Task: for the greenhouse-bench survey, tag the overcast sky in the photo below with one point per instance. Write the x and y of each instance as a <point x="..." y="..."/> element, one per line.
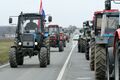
<point x="64" y="12"/>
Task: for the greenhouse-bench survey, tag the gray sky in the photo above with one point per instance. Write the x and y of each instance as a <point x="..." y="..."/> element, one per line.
<point x="64" y="12"/>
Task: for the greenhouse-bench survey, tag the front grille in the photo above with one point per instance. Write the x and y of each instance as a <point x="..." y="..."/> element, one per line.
<point x="28" y="37"/>
<point x="28" y="40"/>
<point x="29" y="44"/>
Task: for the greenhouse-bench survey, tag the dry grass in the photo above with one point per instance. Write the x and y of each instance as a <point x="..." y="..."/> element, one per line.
<point x="4" y="49"/>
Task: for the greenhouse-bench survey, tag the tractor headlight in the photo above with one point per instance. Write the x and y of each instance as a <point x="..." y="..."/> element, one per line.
<point x="36" y="43"/>
<point x="19" y="43"/>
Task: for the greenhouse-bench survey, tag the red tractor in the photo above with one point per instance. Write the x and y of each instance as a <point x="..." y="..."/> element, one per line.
<point x="67" y="35"/>
<point x="56" y="38"/>
<point x="103" y="62"/>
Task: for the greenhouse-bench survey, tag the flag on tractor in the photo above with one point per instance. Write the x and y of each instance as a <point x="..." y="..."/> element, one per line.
<point x="41" y="11"/>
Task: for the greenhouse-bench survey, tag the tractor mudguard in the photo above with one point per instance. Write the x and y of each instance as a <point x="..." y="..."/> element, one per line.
<point x="117" y="36"/>
<point x="101" y="40"/>
<point x="13" y="46"/>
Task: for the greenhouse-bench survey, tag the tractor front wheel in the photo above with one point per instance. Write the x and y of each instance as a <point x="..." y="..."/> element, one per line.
<point x="19" y="58"/>
<point x="43" y="57"/>
<point x="100" y="62"/>
<point x="12" y="58"/>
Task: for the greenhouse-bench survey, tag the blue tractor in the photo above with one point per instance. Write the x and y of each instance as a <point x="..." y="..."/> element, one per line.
<point x="30" y="40"/>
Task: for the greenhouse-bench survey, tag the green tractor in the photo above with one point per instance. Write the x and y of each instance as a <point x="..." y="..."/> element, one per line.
<point x="85" y="38"/>
<point x="30" y="40"/>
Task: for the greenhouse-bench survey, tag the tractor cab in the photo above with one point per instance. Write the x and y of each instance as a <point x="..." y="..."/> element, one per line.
<point x="53" y="29"/>
<point x="106" y="24"/>
<point x="87" y="28"/>
<point x="28" y="31"/>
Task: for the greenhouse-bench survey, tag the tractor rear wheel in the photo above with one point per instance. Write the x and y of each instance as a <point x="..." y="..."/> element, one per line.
<point x="92" y="50"/>
<point x="12" y="58"/>
<point x="61" y="47"/>
<point x="64" y="43"/>
<point x="100" y="62"/>
<point x="79" y="45"/>
<point x="48" y="55"/>
<point x="83" y="46"/>
<point x="87" y="51"/>
<point x="43" y="57"/>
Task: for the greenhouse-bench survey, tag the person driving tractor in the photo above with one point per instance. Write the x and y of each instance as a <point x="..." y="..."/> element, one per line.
<point x="31" y="25"/>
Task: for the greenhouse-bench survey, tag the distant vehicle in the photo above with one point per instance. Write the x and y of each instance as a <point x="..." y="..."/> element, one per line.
<point x="56" y="38"/>
<point x="76" y="37"/>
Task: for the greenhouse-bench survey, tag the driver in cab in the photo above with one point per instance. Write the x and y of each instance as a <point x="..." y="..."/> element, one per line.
<point x="31" y="25"/>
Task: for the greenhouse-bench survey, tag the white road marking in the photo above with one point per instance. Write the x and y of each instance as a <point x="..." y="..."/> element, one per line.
<point x="4" y="65"/>
<point x="65" y="65"/>
<point x="85" y="78"/>
<point x="7" y="64"/>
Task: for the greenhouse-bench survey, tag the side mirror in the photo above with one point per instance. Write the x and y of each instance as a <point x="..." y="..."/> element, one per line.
<point x="50" y="18"/>
<point x="10" y="20"/>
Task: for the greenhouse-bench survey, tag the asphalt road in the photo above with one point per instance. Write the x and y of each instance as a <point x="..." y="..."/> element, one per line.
<point x="67" y="65"/>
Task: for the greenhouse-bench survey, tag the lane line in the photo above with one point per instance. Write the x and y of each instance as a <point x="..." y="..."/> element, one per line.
<point x="65" y="64"/>
<point x="7" y="64"/>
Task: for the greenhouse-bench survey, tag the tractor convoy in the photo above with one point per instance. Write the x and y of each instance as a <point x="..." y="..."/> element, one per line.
<point x="33" y="38"/>
<point x="99" y="39"/>
<point x="100" y="43"/>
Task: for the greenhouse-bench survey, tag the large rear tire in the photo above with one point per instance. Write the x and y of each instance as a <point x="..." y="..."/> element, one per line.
<point x="83" y="45"/>
<point x="61" y="47"/>
<point x="12" y="58"/>
<point x="43" y="57"/>
<point x="79" y="45"/>
<point x="64" y="43"/>
<point x="87" y="50"/>
<point x="48" y="55"/>
<point x="92" y="49"/>
<point x="100" y="62"/>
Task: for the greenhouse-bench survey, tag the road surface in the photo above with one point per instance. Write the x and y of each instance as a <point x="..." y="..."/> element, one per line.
<point x="67" y="65"/>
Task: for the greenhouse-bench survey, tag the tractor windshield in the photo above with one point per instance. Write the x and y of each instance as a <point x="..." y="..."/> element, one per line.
<point x="112" y="22"/>
<point x="109" y="23"/>
<point x="53" y="30"/>
<point x="61" y="30"/>
<point x="29" y="24"/>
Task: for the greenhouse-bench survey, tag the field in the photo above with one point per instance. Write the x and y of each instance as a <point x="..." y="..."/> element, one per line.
<point x="4" y="49"/>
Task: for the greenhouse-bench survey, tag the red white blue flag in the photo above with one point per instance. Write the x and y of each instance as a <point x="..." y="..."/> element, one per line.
<point x="41" y="11"/>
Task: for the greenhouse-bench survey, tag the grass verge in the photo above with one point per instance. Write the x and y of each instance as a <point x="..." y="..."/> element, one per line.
<point x="4" y="49"/>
